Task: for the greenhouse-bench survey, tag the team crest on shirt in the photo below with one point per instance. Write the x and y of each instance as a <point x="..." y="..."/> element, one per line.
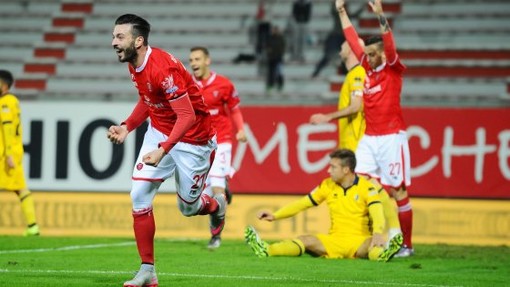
<point x="215" y="93"/>
<point x="168" y="85"/>
<point x="149" y="87"/>
<point x="139" y="166"/>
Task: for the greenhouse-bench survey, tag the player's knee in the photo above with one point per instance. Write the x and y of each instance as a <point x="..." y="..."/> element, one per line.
<point x="188" y="209"/>
<point x="22" y="193"/>
<point x="399" y="193"/>
<point x="142" y="194"/>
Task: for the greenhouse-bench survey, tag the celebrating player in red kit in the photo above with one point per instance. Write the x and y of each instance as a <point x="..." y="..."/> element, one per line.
<point x="383" y="152"/>
<point x="223" y="102"/>
<point x="179" y="140"/>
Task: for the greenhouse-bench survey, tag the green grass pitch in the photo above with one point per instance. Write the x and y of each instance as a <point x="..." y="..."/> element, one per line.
<point x="71" y="261"/>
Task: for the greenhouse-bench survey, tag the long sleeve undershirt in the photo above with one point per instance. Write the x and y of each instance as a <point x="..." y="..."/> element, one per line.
<point x="185" y="119"/>
<point x="237" y="118"/>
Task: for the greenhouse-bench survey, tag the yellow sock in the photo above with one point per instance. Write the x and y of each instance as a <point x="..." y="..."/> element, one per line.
<point x="373" y="254"/>
<point x="293" y="247"/>
<point x="27" y="206"/>
<point x="390" y="211"/>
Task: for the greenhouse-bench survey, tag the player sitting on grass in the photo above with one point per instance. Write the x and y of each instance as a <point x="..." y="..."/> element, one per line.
<point x="356" y="212"/>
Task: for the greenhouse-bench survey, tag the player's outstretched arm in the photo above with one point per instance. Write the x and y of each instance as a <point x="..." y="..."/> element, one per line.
<point x="390" y="49"/>
<point x="378" y="10"/>
<point x="342" y="13"/>
<point x="350" y="33"/>
<point x="319" y="118"/>
<point x="354" y="107"/>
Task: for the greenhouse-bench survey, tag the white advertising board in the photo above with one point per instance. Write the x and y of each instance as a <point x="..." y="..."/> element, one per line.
<point x="66" y="148"/>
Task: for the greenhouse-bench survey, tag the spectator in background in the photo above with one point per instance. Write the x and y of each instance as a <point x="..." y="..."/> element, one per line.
<point x="263" y="30"/>
<point x="223" y="101"/>
<point x="357" y="220"/>
<point x="12" y="176"/>
<point x="275" y="54"/>
<point x="258" y="35"/>
<point x="333" y="41"/>
<point x="179" y="140"/>
<point x="383" y="152"/>
<point x="301" y="13"/>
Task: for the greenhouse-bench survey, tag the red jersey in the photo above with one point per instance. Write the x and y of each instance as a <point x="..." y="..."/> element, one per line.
<point x="160" y="79"/>
<point x="221" y="97"/>
<point x="383" y="85"/>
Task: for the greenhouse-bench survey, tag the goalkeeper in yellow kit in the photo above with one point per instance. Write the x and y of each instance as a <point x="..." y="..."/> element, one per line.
<point x="12" y="177"/>
<point x="356" y="212"/>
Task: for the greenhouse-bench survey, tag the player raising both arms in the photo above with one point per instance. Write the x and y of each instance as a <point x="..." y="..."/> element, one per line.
<point x="383" y="152"/>
<point x="179" y="140"/>
<point x="223" y="102"/>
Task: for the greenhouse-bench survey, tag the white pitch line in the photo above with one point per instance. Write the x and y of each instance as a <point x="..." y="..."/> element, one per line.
<point x="67" y="248"/>
<point x="234" y="277"/>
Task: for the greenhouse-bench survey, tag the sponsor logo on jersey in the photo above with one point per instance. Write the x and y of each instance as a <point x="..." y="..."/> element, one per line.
<point x="148" y="102"/>
<point x="168" y="85"/>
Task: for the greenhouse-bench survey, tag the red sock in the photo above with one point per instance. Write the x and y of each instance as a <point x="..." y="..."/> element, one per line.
<point x="405" y="216"/>
<point x="209" y="205"/>
<point x="145" y="228"/>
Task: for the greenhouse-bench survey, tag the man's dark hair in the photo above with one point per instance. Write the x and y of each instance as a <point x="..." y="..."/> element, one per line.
<point x="200" y="48"/>
<point x="346" y="156"/>
<point x="140" y="26"/>
<point x="375" y="40"/>
<point x="6" y="77"/>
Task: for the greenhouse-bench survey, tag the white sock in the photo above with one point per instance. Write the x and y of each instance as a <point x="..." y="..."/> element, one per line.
<point x="147" y="267"/>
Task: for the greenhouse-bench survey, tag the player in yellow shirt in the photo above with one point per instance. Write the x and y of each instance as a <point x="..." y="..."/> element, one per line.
<point x="12" y="176"/>
<point x="351" y="120"/>
<point x="356" y="212"/>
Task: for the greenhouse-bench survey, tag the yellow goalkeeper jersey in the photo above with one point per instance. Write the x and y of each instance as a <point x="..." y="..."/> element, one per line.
<point x="349" y="208"/>
<point x="351" y="128"/>
<point x="11" y="141"/>
<point x="355" y="211"/>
